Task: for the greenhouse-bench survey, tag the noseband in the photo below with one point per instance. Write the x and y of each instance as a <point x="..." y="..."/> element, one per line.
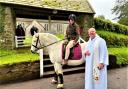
<point x="38" y="41"/>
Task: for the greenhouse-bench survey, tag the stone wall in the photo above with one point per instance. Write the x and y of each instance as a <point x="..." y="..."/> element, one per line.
<point x="19" y="72"/>
<point x="2" y="14"/>
<point x="31" y="70"/>
<point x="7" y="35"/>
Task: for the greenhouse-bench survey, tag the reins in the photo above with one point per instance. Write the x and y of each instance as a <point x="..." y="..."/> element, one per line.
<point x="51" y="44"/>
<point x="38" y="40"/>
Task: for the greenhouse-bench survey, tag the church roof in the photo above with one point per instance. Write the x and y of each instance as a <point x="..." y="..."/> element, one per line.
<point x="67" y="5"/>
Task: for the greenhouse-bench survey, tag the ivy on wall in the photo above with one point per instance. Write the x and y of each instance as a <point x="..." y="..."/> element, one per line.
<point x="2" y="14"/>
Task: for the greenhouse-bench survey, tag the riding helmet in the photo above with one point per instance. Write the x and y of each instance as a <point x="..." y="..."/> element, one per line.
<point x="72" y="17"/>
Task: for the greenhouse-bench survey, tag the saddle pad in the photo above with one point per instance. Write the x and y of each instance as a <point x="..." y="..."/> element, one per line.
<point x="75" y="52"/>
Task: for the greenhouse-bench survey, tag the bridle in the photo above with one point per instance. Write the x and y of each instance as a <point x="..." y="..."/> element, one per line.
<point x="38" y="41"/>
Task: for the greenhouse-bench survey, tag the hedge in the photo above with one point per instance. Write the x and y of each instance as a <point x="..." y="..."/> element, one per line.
<point x="114" y="39"/>
<point x="109" y="26"/>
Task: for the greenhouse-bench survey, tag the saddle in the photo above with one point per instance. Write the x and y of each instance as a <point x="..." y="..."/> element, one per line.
<point x="75" y="52"/>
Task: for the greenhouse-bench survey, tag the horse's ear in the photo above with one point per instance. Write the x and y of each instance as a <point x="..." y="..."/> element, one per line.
<point x="34" y="32"/>
<point x="36" y="35"/>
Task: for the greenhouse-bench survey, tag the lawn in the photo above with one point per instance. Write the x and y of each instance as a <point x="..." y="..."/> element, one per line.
<point x="120" y="53"/>
<point x="16" y="56"/>
<point x="24" y="55"/>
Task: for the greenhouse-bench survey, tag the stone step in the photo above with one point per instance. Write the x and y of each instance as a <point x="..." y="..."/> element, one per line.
<point x="50" y="67"/>
<point x="47" y="61"/>
<point x="65" y="71"/>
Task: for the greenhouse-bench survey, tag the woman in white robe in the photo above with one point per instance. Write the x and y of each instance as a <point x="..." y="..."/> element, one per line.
<point x="96" y="56"/>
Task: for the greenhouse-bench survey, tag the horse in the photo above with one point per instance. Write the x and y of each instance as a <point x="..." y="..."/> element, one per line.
<point x="54" y="45"/>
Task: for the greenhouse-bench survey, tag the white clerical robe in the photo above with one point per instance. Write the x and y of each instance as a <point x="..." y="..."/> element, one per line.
<point x="96" y="45"/>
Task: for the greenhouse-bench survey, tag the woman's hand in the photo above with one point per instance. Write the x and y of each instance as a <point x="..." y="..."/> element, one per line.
<point x="87" y="53"/>
<point x="100" y="66"/>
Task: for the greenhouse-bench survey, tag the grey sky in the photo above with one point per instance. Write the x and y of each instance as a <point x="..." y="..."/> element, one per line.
<point x="103" y="7"/>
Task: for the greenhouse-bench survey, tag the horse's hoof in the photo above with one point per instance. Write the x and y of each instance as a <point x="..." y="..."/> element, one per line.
<point x="54" y="81"/>
<point x="60" y="86"/>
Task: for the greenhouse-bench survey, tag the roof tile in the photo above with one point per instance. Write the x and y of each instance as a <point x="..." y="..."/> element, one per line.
<point x="69" y="5"/>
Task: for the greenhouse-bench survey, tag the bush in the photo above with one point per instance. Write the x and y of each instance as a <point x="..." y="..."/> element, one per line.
<point x="114" y="39"/>
<point x="109" y="26"/>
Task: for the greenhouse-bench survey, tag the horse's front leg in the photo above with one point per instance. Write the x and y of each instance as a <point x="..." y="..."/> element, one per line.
<point x="59" y="72"/>
<point x="60" y="82"/>
<point x="55" y="79"/>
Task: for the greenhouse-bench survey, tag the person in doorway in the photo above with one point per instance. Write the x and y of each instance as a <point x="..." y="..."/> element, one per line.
<point x="33" y="30"/>
<point x="72" y="36"/>
<point x="20" y="30"/>
<point x="96" y="56"/>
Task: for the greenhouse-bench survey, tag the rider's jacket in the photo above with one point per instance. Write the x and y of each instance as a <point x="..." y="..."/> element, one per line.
<point x="72" y="32"/>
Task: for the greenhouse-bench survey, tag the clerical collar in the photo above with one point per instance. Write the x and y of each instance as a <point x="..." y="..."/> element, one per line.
<point x="93" y="38"/>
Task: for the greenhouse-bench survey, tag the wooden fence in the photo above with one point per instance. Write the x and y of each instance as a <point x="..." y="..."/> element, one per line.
<point x="19" y="42"/>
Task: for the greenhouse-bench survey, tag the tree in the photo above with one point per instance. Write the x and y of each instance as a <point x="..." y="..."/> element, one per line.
<point x="121" y="10"/>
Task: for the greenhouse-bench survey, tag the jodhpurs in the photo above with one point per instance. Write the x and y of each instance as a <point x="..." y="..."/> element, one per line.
<point x="69" y="45"/>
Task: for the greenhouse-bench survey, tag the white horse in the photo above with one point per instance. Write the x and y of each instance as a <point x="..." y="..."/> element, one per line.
<point x="54" y="46"/>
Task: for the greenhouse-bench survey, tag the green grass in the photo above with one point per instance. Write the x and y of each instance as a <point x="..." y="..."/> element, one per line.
<point x="16" y="56"/>
<point x="121" y="54"/>
<point x="24" y="55"/>
<point x="28" y="40"/>
<point x="61" y="36"/>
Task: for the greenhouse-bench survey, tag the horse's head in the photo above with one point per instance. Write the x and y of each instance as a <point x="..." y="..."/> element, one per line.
<point x="36" y="44"/>
<point x="43" y="40"/>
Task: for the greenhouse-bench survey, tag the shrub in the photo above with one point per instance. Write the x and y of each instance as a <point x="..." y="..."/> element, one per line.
<point x="109" y="26"/>
<point x="114" y="39"/>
